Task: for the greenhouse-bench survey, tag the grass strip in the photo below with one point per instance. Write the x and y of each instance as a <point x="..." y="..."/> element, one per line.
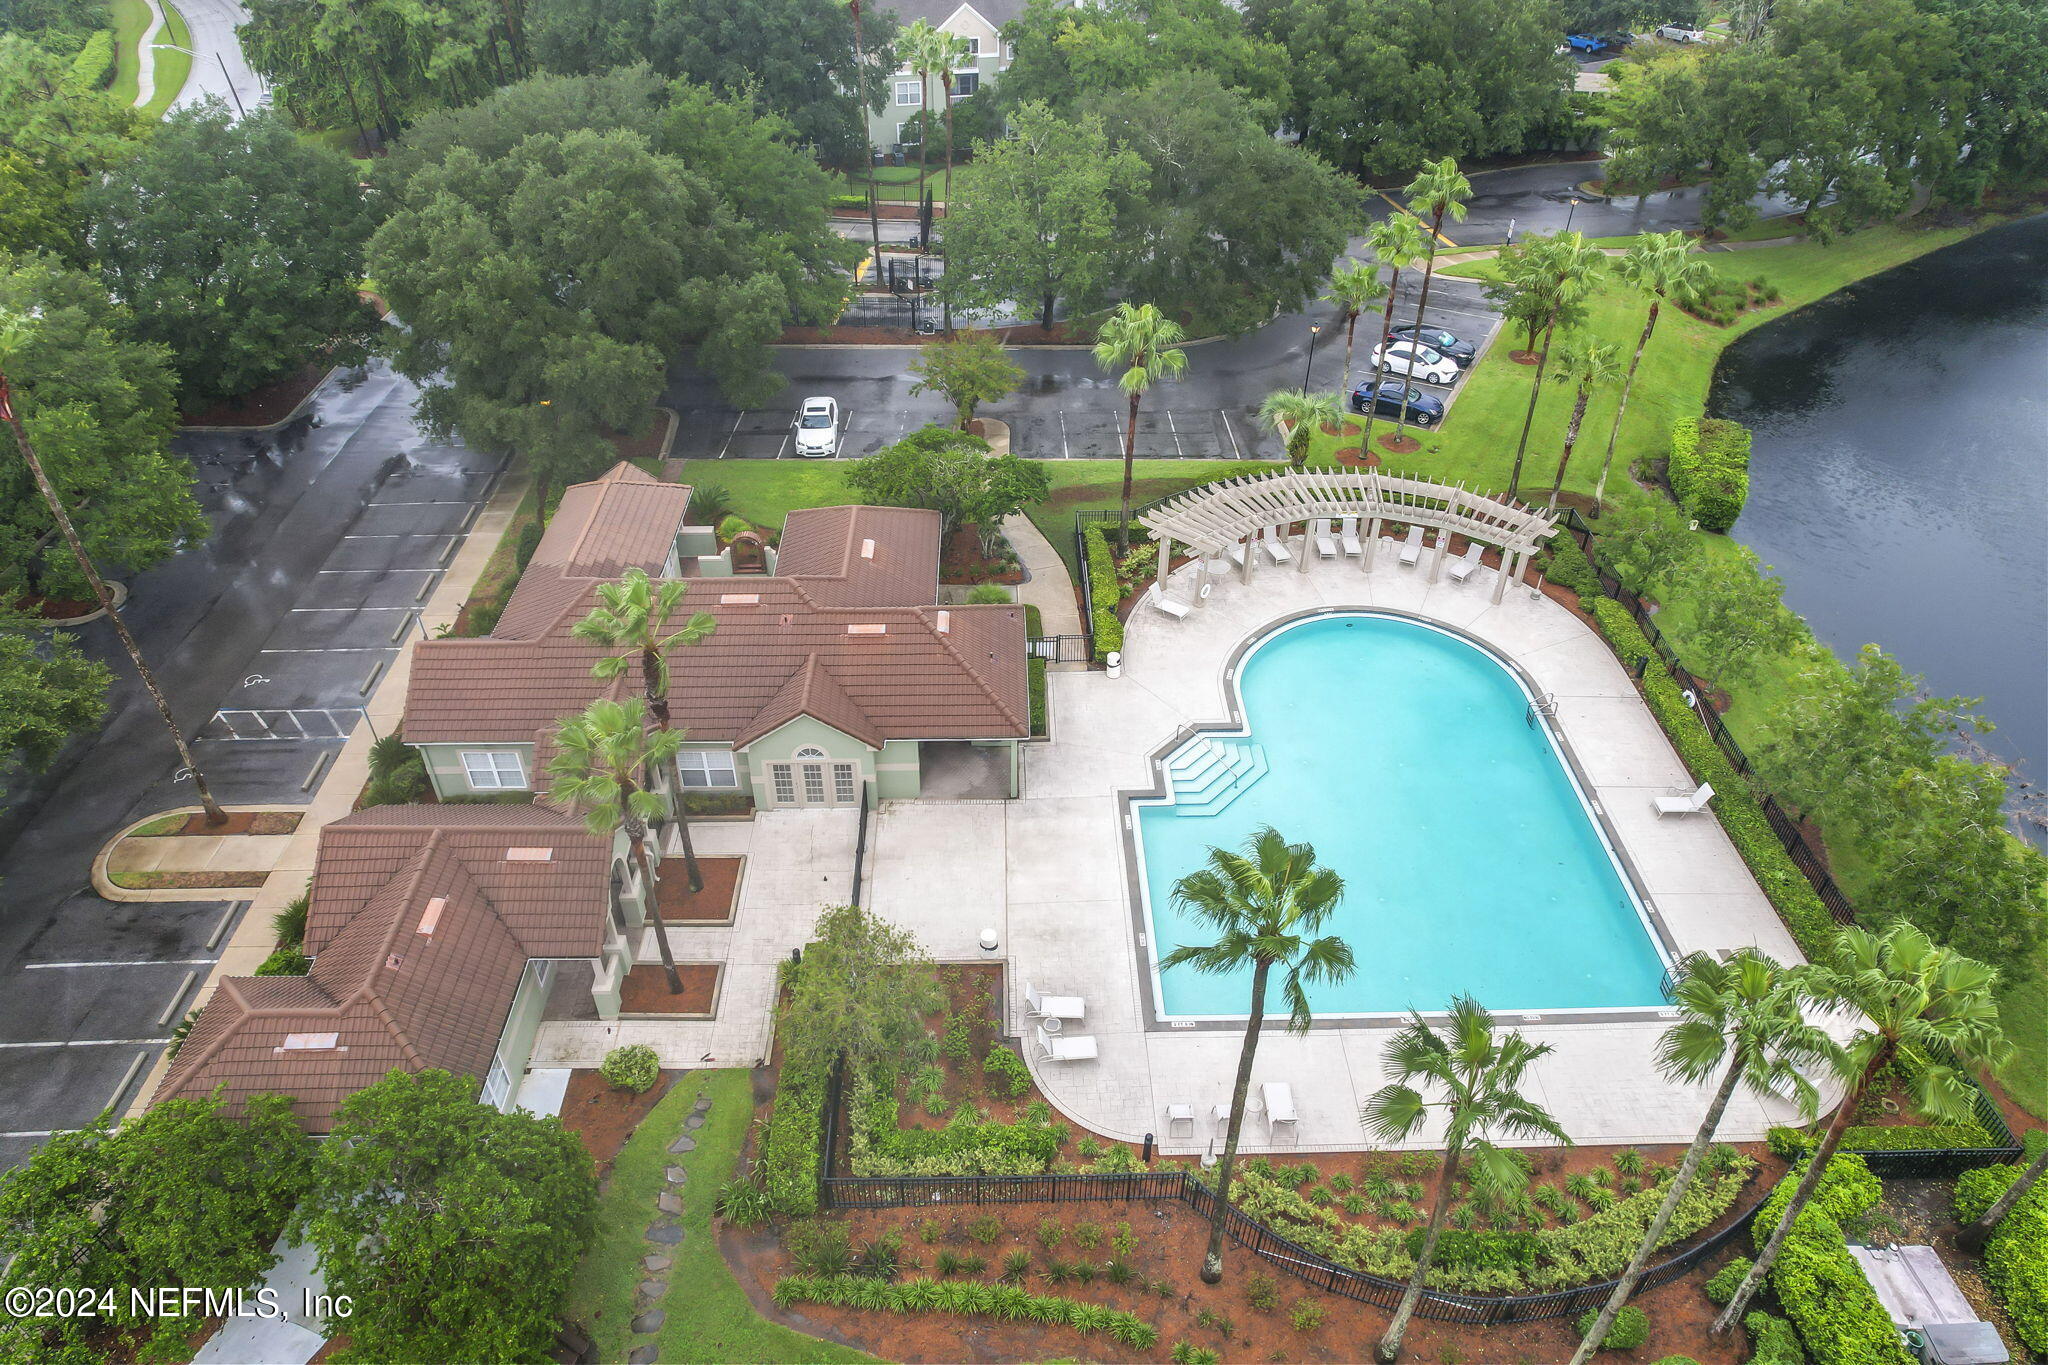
<point x="172" y="66"/>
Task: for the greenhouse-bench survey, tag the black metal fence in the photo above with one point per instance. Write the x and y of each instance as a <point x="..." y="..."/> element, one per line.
<point x="883" y="1192"/>
<point x="1059" y="649"/>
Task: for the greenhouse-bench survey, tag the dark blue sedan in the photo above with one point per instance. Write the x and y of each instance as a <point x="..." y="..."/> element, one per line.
<point x="1423" y="410"/>
<point x="1440" y="341"/>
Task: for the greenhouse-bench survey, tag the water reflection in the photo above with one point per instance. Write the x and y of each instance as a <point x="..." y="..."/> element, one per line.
<point x="1899" y="481"/>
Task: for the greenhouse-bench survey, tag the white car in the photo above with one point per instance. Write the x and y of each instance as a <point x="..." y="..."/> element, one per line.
<point x="817" y="428"/>
<point x="1431" y="366"/>
<point x="1679" y="33"/>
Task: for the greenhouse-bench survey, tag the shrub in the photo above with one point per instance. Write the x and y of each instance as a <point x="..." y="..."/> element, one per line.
<point x="964" y="1296"/>
<point x="1087" y="1236"/>
<point x="2016" y="1256"/>
<point x="1823" y="1290"/>
<point x="528" y="542"/>
<point x="743" y="1202"/>
<point x="1015" y="1264"/>
<point x="1709" y="469"/>
<point x="1741" y="817"/>
<point x="403" y="784"/>
<point x="285" y="962"/>
<point x="1187" y="1353"/>
<point x="848" y="201"/>
<point x="1102" y="587"/>
<point x="635" y="1067"/>
<point x="1630" y="1329"/>
<point x="1306" y="1315"/>
<point x="289" y="924"/>
<point x="1566" y="565"/>
<point x="93" y="67"/>
<point x="1050" y="1234"/>
<point x="483" y="617"/>
<point x="1771" y="1341"/>
<point x="389" y="753"/>
<point x="1262" y="1293"/>
<point x="1008" y="1075"/>
<point x="985" y="1229"/>
<point x="1675" y="1360"/>
<point x="1727" y="1280"/>
<point x="788" y="1166"/>
<point x="1035" y="673"/>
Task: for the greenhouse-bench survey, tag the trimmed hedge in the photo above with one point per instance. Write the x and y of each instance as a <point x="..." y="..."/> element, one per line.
<point x="288" y="961"/>
<point x="1740" y="814"/>
<point x="2016" y="1257"/>
<point x="1709" y="469"/>
<point x="1103" y="593"/>
<point x="93" y="67"/>
<point x="880" y="1144"/>
<point x="787" y="1167"/>
<point x="635" y="1067"/>
<point x="1832" y="1306"/>
<point x="1036" y="676"/>
<point x="1771" y="1341"/>
<point x="1721" y="1288"/>
<point x="973" y="1297"/>
<point x="1566" y="565"/>
<point x="1791" y="1143"/>
<point x="1630" y="1329"/>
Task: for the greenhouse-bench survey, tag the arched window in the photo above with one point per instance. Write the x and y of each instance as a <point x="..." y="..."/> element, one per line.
<point x="810" y="751"/>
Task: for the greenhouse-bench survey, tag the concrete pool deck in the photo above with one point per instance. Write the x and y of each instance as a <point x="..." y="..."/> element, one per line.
<point x="1049" y="873"/>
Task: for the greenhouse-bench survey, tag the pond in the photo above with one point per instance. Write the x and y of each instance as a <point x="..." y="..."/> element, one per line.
<point x="1899" y="481"/>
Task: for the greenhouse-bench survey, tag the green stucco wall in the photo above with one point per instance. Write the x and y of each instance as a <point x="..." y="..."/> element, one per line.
<point x="515" y="1044"/>
<point x="446" y="773"/>
<point x="780" y="744"/>
<point x="897" y="771"/>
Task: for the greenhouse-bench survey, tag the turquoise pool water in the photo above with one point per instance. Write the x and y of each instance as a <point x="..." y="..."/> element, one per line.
<point x="1407" y="757"/>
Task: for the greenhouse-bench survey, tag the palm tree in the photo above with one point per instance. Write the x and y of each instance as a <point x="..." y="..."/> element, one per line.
<point x="12" y="333"/>
<point x="948" y="54"/>
<point x="1927" y="1006"/>
<point x="1586" y="366"/>
<point x="1353" y="287"/>
<point x="919" y="44"/>
<point x="1480" y="1076"/>
<point x="1301" y="414"/>
<point x="860" y="85"/>
<point x="1265" y="905"/>
<point x="1744" y="1018"/>
<point x="1145" y="344"/>
<point x="633" y="615"/>
<point x="1662" y="265"/>
<point x="1439" y="190"/>
<point x="1563" y="271"/>
<point x="1396" y="243"/>
<point x="599" y="757"/>
<point x="1973" y="1237"/>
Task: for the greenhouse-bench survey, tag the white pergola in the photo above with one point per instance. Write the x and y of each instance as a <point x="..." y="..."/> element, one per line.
<point x="1235" y="512"/>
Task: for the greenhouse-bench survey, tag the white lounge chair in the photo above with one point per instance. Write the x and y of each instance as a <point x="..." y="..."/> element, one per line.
<point x="1348" y="533"/>
<point x="1167" y="604"/>
<point x="1061" y="1047"/>
<point x="1467" y="564"/>
<point x="1279" y="1101"/>
<point x="1178" y="1114"/>
<point x="1688" y="804"/>
<point x="1274" y="545"/>
<point x="1053" y="1006"/>
<point x="1326" y="543"/>
<point x="1235" y="550"/>
<point x="1411" y="548"/>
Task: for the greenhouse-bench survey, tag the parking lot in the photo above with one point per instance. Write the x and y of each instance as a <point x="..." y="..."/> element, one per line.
<point x="1067" y="409"/>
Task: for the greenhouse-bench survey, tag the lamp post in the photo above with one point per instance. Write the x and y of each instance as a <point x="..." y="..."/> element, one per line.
<point x="233" y="93"/>
<point x="1569" y="212"/>
<point x="1315" y="329"/>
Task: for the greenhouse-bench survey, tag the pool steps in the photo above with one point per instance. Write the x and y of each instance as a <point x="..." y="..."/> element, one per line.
<point x="1209" y="774"/>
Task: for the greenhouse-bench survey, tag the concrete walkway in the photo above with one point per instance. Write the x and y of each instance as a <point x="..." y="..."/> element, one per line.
<point x="1047" y="584"/>
<point x="145" y="55"/>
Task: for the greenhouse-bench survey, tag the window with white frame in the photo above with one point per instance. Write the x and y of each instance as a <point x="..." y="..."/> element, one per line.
<point x="965" y="83"/>
<point x="707" y="768"/>
<point x="906" y="93"/>
<point x="494" y="769"/>
<point x="973" y="51"/>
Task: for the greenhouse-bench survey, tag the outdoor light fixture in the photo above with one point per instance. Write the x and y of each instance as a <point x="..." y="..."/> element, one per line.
<point x="1315" y="329"/>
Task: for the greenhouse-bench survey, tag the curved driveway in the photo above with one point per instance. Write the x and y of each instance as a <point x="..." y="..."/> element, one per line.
<point x="219" y="64"/>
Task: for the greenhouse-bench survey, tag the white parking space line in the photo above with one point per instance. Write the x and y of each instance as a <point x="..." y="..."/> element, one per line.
<point x="160" y="962"/>
<point x="1066" y="452"/>
<point x="425" y="502"/>
<point x="734" y="432"/>
<point x="92" y="1042"/>
<point x="379" y="571"/>
<point x="409" y="535"/>
<point x="336" y="649"/>
<point x="1182" y="454"/>
<point x="296" y="610"/>
<point x="1231" y="431"/>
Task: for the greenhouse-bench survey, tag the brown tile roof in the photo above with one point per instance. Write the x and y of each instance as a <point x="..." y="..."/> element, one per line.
<point x="393" y="995"/>
<point x="820" y="642"/>
<point x="625" y="518"/>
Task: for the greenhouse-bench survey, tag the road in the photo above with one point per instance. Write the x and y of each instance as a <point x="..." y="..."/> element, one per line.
<point x="262" y="637"/>
<point x="219" y="68"/>
<point x="1539" y="199"/>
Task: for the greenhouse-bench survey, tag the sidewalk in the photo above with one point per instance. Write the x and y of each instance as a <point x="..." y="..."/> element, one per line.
<point x="1047" y="585"/>
<point x="345" y="779"/>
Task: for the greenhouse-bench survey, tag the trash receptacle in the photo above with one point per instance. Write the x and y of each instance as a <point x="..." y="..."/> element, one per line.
<point x="1116" y="663"/>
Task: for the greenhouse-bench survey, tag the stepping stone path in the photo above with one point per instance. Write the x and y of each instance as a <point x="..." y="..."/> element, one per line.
<point x="664" y="1232"/>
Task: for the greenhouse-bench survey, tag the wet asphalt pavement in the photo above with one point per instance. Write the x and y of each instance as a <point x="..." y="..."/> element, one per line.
<point x="323" y="539"/>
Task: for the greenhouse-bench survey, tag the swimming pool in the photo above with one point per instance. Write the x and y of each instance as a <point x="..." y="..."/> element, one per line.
<point x="1412" y="759"/>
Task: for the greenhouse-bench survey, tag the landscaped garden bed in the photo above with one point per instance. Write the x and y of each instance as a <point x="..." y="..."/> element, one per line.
<point x="238" y="822"/>
<point x="713" y="905"/>
<point x="646" y="990"/>
<point x="603" y="1116"/>
<point x="185" y="881"/>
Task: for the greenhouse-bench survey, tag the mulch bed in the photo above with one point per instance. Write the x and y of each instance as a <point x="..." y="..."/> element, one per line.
<point x="1398" y="445"/>
<point x="604" y="1116"/>
<point x="239" y="822"/>
<point x="963" y="562"/>
<point x="56" y="608"/>
<point x="713" y="905"/>
<point x="185" y="881"/>
<point x="646" y="990"/>
<point x="261" y="407"/>
<point x="645" y="446"/>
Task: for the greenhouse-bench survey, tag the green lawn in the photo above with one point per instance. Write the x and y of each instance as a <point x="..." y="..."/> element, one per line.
<point x="708" y="1315"/>
<point x="131" y="21"/>
<point x="899" y="183"/>
<point x="2023" y="1008"/>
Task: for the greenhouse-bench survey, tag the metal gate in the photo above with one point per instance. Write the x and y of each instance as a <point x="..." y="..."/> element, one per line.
<point x="1058" y="649"/>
